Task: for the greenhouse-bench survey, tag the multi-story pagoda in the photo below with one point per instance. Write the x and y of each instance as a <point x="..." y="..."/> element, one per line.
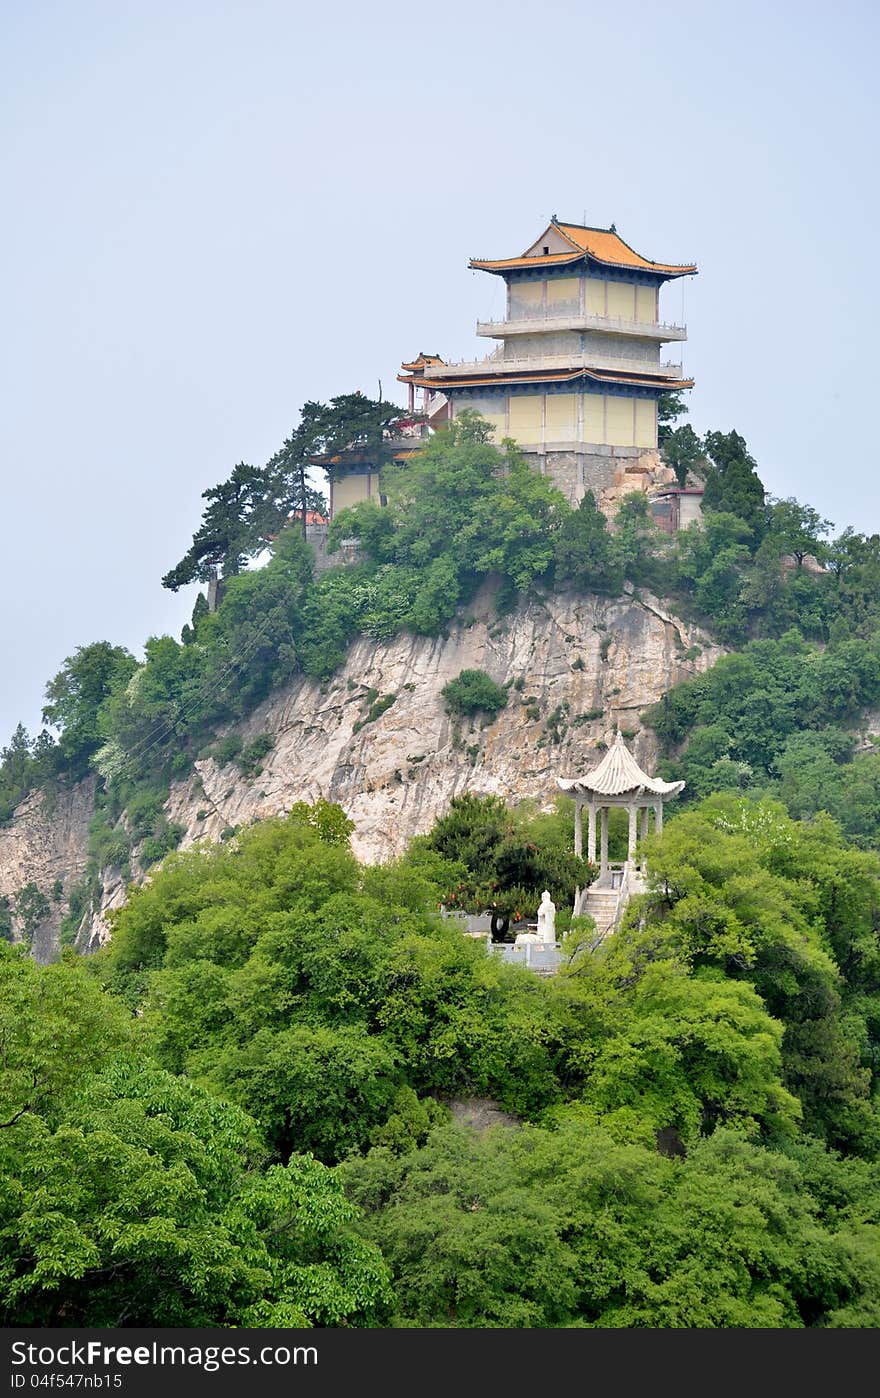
<point x="577" y="374"/>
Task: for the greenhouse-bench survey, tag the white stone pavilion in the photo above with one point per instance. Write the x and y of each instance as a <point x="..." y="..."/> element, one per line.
<point x="618" y="780"/>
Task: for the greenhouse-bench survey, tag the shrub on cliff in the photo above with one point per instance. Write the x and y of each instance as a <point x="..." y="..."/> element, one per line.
<point x="473" y="692"/>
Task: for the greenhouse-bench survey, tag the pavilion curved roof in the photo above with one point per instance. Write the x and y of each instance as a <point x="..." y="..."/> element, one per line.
<point x="618" y="774"/>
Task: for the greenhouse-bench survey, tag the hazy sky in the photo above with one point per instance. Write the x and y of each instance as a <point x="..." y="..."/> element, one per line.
<point x="216" y="211"/>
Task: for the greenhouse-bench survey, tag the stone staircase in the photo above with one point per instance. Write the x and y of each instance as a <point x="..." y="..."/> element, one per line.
<point x="604" y="901"/>
<point x="601" y="905"/>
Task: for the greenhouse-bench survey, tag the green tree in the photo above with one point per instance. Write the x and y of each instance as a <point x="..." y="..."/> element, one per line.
<point x="235" y="527"/>
<point x="483" y="509"/>
<point x="670" y="407"/>
<point x="288" y="486"/>
<point x="638" y="546"/>
<point x="74" y="698"/>
<point x="732" y="482"/>
<point x="799" y="529"/>
<point x="355" y="422"/>
<point x="737" y="887"/>
<point x="585" y="553"/>
<point x="31" y="908"/>
<point x="495" y="857"/>
<point x="578" y="1227"/>
<point x="138" y="1203"/>
<point x="25" y="763"/>
<point x="683" y="450"/>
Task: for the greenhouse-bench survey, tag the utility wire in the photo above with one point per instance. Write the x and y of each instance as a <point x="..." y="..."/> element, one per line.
<point x="166" y="727"/>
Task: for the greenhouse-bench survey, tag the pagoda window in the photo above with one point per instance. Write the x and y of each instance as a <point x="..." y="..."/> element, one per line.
<point x="561" y="417"/>
<point x="619" y="420"/>
<point x="526" y="300"/>
<point x="646" y="305"/>
<point x="527" y="418"/>
<point x="594" y="417"/>
<point x="646" y="422"/>
<point x="563" y="296"/>
<point x="596" y="296"/>
<point x="621" y="301"/>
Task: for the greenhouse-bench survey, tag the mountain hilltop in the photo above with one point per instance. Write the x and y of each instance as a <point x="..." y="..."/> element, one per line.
<point x="303" y="678"/>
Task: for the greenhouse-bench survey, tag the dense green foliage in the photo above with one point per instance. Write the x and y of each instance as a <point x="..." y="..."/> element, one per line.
<point x="777" y="717"/>
<point x="735" y="1019"/>
<point x="573" y="1227"/>
<point x="284" y="976"/>
<point x="483" y="855"/>
<point x="236" y="1114"/>
<point x="25" y="763"/>
<point x="131" y="1197"/>
<point x="742" y="889"/>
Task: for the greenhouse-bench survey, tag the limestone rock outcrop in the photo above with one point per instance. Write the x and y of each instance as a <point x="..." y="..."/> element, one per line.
<point x="377" y="737"/>
<point x="580" y="667"/>
<point x="46" y="846"/>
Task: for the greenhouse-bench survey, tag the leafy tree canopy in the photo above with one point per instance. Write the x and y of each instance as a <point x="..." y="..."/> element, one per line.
<point x="797" y="528"/>
<point x="74" y="698"/>
<point x="575" y="1227"/>
<point x="254" y="503"/>
<point x="732" y="482"/>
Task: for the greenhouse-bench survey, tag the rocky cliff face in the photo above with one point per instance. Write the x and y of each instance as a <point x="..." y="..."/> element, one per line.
<point x="581" y="667"/>
<point x="377" y="739"/>
<point x="46" y="846"/>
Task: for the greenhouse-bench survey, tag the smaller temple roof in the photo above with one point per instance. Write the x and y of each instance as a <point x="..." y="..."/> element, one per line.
<point x="421" y="361"/>
<point x="618" y="774"/>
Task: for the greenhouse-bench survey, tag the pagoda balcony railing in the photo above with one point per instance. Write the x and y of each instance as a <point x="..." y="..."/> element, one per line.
<point x="575" y="320"/>
<point x="499" y="364"/>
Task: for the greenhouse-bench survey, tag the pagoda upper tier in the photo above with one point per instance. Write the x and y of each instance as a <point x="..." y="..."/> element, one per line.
<point x="581" y="303"/>
<point x="579" y="362"/>
<point x="567" y="244"/>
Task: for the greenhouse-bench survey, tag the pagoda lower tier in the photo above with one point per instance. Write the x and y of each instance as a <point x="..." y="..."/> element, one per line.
<point x="555" y="409"/>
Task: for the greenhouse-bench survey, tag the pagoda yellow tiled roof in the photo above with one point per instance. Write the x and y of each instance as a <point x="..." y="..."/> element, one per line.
<point x="542" y="376"/>
<point x="603" y="245"/>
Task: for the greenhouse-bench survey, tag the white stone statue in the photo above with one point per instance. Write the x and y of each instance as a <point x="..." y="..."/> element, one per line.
<point x="526" y="939"/>
<point x="547" y="919"/>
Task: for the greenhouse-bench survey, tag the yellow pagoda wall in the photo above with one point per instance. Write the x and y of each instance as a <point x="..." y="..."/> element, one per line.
<point x="351" y="490"/>
<point x="538" y="419"/>
<point x="526" y="418"/>
<point x="595" y="296"/>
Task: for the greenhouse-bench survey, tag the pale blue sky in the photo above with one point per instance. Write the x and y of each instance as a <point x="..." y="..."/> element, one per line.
<point x="216" y="211"/>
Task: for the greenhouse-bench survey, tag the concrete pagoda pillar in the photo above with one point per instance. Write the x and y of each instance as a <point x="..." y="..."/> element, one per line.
<point x="633" y="834"/>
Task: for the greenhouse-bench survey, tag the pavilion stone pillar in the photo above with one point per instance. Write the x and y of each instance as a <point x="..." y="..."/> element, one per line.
<point x="645" y="814"/>
<point x="633" y="834"/>
<point x="578" y="827"/>
<point x="603" y="822"/>
<point x="658" y="818"/>
<point x="591" y="833"/>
